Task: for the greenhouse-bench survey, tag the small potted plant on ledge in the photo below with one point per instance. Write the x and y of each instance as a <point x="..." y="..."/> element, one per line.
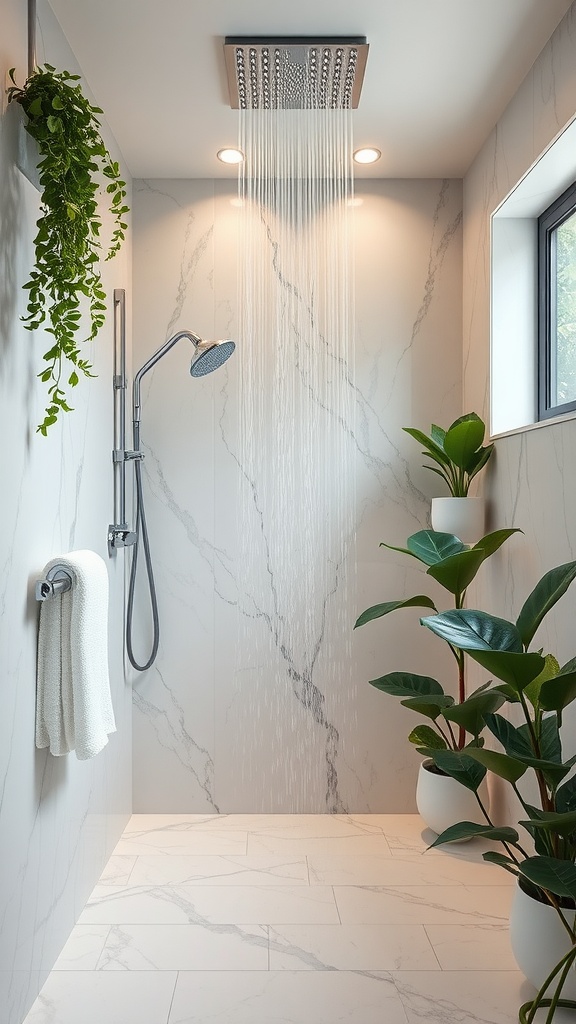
<point x="443" y="797"/>
<point x="543" y="925"/>
<point x="459" y="454"/>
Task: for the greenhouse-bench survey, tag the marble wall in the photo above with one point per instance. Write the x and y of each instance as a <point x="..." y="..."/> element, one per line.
<point x="59" y="817"/>
<point x="531" y="482"/>
<point x="212" y="729"/>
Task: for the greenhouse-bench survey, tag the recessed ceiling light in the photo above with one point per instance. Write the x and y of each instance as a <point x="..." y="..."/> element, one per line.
<point x="368" y="155"/>
<point x="230" y="156"/>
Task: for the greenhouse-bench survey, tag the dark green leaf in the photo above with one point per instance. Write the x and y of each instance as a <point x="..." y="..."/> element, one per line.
<point x="378" y="610"/>
<point x="424" y="735"/>
<point x="432" y="447"/>
<point x="470" y="713"/>
<point x="492" y="541"/>
<point x="463" y="439"/>
<point x="471" y="830"/>
<point x="515" y="669"/>
<point x="481" y="460"/>
<point x="455" y="574"/>
<point x="566" y="796"/>
<point x="498" y="858"/>
<point x="459" y="766"/>
<point x="546" y="593"/>
<point x="558" y="692"/>
<point x="407" y="684"/>
<point x="472" y="630"/>
<point x="506" y="767"/>
<point x="430" y="707"/>
<point x="430" y="546"/>
<point x="555" y="875"/>
<point x="513" y="740"/>
<point x="550" y="821"/>
<point x="550" y="745"/>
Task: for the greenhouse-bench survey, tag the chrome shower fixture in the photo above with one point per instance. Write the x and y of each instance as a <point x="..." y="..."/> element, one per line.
<point x="295" y="72"/>
<point x="207" y="356"/>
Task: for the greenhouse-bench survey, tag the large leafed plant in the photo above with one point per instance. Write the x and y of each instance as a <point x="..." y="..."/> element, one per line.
<point x="540" y="691"/>
<point x="454" y="724"/>
<point x="66" y="279"/>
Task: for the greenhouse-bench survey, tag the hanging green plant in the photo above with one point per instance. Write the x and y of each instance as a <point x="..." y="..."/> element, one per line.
<point x="66" y="272"/>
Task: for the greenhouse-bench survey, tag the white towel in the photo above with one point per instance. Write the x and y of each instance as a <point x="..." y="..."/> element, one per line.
<point x="73" y="704"/>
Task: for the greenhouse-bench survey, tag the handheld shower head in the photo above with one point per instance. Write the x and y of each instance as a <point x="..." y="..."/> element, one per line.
<point x="209" y="355"/>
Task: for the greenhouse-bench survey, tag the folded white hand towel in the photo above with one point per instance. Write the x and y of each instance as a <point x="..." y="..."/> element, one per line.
<point x="73" y="704"/>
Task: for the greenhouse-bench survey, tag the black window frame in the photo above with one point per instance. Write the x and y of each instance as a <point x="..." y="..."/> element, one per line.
<point x="559" y="211"/>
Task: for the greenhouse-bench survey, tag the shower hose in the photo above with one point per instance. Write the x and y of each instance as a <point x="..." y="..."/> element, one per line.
<point x="141" y="534"/>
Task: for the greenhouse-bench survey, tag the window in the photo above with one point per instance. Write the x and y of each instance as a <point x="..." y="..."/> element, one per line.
<point x="557" y="307"/>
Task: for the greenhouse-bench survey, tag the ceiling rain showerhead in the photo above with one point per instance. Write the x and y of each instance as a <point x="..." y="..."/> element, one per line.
<point x="209" y="356"/>
<point x="295" y="72"/>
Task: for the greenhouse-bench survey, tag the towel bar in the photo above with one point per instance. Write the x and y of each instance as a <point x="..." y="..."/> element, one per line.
<point x="57" y="581"/>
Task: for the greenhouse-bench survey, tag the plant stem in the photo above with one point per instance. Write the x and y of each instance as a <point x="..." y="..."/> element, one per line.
<point x="506" y="846"/>
<point x="539" y="1000"/>
<point x="442" y="733"/>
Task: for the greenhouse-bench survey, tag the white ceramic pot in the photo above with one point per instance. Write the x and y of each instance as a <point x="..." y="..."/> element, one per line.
<point x="539" y="940"/>
<point x="442" y="802"/>
<point x="464" y="517"/>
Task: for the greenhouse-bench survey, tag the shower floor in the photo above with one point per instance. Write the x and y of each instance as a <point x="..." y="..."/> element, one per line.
<point x="288" y="919"/>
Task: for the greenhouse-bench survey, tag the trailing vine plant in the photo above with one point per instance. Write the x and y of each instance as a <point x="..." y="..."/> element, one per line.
<point x="66" y="273"/>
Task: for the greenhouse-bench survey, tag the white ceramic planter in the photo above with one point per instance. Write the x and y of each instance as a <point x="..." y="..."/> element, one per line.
<point x="539" y="940"/>
<point x="464" y="517"/>
<point x="442" y="802"/>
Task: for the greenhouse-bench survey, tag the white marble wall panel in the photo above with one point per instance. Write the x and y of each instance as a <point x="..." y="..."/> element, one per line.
<point x="531" y="482"/>
<point x="211" y="733"/>
<point x="59" y="817"/>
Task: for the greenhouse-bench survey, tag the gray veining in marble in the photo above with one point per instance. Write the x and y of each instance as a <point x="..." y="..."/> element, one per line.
<point x="210" y="733"/>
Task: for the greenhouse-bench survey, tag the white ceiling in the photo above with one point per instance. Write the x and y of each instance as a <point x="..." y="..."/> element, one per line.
<point x="439" y="73"/>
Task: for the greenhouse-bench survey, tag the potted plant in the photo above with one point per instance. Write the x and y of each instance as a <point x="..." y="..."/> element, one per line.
<point x="543" y="927"/>
<point x="455" y="724"/>
<point x="459" y="454"/>
<point x="66" y="275"/>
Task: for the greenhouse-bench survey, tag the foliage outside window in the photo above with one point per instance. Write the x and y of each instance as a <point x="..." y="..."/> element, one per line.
<point x="557" y="307"/>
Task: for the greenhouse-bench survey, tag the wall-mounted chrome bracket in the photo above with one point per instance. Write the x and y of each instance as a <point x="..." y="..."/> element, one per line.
<point x="119" y="455"/>
<point x="58" y="581"/>
<point x="119" y="536"/>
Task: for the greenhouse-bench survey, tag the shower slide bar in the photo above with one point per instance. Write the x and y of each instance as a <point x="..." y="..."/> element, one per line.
<point x="58" y="581"/>
<point x="119" y="534"/>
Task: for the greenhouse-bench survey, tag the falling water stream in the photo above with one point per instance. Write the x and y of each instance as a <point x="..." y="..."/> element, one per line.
<point x="296" y="451"/>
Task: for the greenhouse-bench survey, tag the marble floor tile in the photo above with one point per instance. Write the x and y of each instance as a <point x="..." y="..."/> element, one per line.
<point x="410" y="869"/>
<point x="182" y="840"/>
<point x="117" y="870"/>
<point x="424" y="904"/>
<point x="361" y="947"/>
<point x="83" y="949"/>
<point x="285" y="997"/>
<point x="139" y="823"/>
<point x="326" y="919"/>
<point x="92" y="997"/>
<point x="196" y="904"/>
<point x="481" y="947"/>
<point x="219" y="870"/>
<point x="463" y="997"/>
<point x="352" y="846"/>
<point x="182" y="947"/>
<point x="310" y="826"/>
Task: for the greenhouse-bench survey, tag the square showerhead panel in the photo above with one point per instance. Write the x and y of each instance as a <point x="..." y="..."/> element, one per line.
<point x="295" y="72"/>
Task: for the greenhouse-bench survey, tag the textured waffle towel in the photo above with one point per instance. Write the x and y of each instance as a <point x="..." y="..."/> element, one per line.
<point x="73" y="703"/>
